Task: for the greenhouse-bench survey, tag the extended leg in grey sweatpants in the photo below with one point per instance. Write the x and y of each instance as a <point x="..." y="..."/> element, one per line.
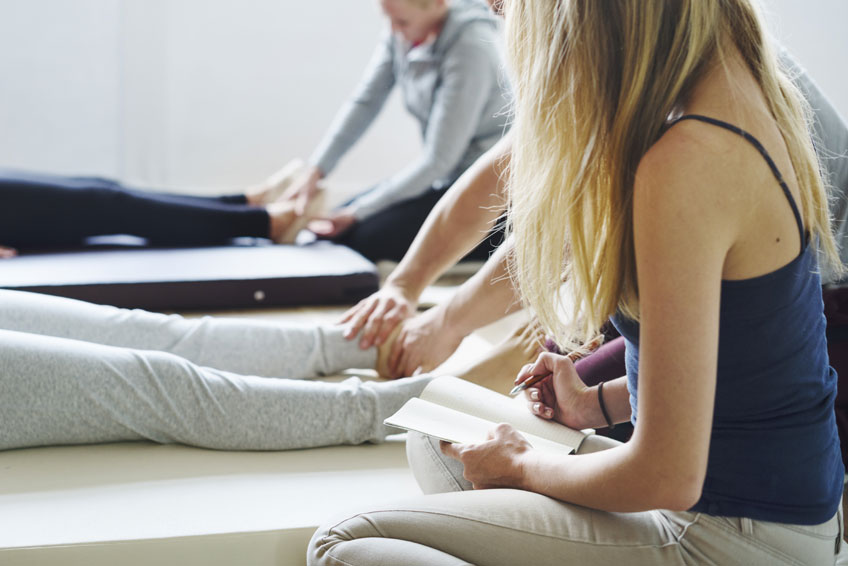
<point x="74" y="373"/>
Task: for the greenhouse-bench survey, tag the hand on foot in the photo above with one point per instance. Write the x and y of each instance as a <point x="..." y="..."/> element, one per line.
<point x="273" y="188"/>
<point x="285" y="223"/>
<point x="383" y="352"/>
<point x="333" y="224"/>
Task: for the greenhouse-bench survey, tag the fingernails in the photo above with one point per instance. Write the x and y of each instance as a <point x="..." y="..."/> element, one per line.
<point x="537" y="407"/>
<point x="549" y="412"/>
<point x="534" y="395"/>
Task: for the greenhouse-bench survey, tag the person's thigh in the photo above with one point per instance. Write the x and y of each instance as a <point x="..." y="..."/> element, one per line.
<point x="388" y="234"/>
<point x="458" y="525"/>
<point x="497" y="527"/>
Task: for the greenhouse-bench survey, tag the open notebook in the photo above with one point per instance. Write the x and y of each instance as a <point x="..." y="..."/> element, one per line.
<point x="456" y="410"/>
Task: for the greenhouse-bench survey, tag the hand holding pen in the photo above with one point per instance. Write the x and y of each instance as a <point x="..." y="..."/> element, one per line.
<point x="573" y="356"/>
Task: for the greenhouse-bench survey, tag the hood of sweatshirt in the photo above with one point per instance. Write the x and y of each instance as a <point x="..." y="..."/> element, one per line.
<point x="461" y="14"/>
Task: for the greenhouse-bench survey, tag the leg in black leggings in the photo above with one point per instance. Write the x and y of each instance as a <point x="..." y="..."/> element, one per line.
<point x="388" y="234"/>
<point x="46" y="210"/>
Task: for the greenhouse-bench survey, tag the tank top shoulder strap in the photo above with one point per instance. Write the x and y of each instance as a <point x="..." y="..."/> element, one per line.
<point x="759" y="147"/>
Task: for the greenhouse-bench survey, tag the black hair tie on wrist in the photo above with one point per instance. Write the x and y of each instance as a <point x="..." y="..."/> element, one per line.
<point x="604" y="412"/>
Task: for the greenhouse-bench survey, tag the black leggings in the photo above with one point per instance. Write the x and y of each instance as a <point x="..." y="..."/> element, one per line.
<point x="388" y="234"/>
<point x="39" y="210"/>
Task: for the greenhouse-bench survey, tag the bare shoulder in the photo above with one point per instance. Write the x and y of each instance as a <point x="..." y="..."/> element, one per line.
<point x="693" y="167"/>
<point x="691" y="190"/>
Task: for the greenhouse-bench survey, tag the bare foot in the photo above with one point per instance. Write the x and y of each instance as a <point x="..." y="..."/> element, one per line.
<point x="498" y="367"/>
<point x="282" y="217"/>
<point x="383" y="352"/>
<point x="274" y="186"/>
<point x="255" y="194"/>
<point x="286" y="224"/>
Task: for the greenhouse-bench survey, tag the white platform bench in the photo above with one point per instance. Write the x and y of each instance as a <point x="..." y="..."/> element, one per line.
<point x="140" y="504"/>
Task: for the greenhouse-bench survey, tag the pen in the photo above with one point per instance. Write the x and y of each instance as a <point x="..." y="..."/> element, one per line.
<point x="573" y="356"/>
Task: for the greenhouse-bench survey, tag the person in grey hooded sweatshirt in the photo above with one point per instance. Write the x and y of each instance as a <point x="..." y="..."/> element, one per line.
<point x="444" y="56"/>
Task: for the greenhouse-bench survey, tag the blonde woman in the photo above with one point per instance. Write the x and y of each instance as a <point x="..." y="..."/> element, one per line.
<point x="443" y="56"/>
<point x="661" y="161"/>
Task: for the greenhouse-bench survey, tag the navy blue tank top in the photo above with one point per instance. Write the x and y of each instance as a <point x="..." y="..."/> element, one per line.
<point x="774" y="450"/>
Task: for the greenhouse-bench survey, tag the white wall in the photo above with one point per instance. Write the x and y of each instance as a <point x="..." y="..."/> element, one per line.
<point x="215" y="94"/>
<point x="59" y="84"/>
<point x="195" y="94"/>
<point x="816" y="33"/>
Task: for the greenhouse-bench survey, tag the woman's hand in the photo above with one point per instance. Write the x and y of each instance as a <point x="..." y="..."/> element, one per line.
<point x="6" y="252"/>
<point x="561" y="397"/>
<point x="498" y="462"/>
<point x="304" y="189"/>
<point x="334" y="223"/>
<point x="378" y="314"/>
<point x="424" y="342"/>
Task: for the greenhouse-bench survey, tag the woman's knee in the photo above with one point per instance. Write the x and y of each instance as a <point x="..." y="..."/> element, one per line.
<point x="409" y="533"/>
<point x="339" y="541"/>
<point x="434" y="472"/>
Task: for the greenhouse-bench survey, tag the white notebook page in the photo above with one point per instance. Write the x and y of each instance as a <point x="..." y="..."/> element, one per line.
<point x="454" y="426"/>
<point x="484" y="403"/>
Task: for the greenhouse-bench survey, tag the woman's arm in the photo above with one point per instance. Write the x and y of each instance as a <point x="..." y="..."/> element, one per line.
<point x="461" y="218"/>
<point x="430" y="338"/>
<point x="458" y="222"/>
<point x="467" y="78"/>
<point x="360" y="110"/>
<point x="683" y="231"/>
<point x="348" y="126"/>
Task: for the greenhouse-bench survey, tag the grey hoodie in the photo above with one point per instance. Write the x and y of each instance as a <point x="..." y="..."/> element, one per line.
<point x="453" y="86"/>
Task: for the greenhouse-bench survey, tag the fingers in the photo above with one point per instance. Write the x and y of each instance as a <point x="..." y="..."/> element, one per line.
<point x="290" y="193"/>
<point x="301" y="203"/>
<point x="523" y="374"/>
<point x="358" y="316"/>
<point x="540" y="409"/>
<point x="390" y="320"/>
<point x="6" y="252"/>
<point x="397" y="354"/>
<point x="402" y="365"/>
<point x="350" y="313"/>
<point x="546" y="363"/>
<point x="374" y="324"/>
<point x="321" y="227"/>
<point x="449" y="449"/>
<point x="411" y="362"/>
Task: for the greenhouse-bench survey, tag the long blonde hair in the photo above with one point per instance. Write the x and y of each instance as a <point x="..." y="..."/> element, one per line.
<point x="595" y="83"/>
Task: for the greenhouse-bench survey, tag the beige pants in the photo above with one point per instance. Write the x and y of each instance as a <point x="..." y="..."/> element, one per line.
<point x="455" y="526"/>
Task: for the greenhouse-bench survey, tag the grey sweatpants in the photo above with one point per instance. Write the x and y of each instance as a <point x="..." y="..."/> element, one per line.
<point x="75" y="373"/>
